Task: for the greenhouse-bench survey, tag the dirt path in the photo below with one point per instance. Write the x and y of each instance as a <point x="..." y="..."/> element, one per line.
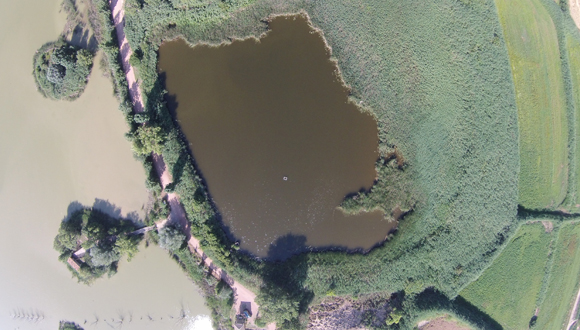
<point x="572" y="320"/>
<point x="242" y="296"/>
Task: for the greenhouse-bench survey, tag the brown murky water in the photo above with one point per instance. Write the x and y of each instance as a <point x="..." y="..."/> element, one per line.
<point x="276" y="139"/>
<point x="51" y="154"/>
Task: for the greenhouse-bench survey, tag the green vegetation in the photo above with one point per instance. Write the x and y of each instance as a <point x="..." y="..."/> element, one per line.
<point x="439" y="83"/>
<point x="171" y="237"/>
<point x="219" y="296"/>
<point x="147" y="140"/>
<point x="66" y="325"/>
<point x="573" y="48"/>
<point x="105" y="239"/>
<point x="61" y="71"/>
<point x="563" y="279"/>
<point x="508" y="290"/>
<point x="532" y="44"/>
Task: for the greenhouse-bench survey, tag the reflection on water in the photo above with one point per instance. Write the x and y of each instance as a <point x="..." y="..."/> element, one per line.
<point x="54" y="153"/>
<point x="199" y="322"/>
<point x="276" y="138"/>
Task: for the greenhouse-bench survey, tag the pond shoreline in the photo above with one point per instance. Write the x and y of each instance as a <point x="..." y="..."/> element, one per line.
<point x="177" y="211"/>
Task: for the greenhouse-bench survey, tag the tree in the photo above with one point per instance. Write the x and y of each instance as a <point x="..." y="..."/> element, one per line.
<point x="128" y="245"/>
<point x="67" y="325"/>
<point x="104" y="254"/>
<point x="171" y="238"/>
<point x="148" y="139"/>
<point x="61" y="70"/>
<point x="276" y="305"/>
<point x="394" y="317"/>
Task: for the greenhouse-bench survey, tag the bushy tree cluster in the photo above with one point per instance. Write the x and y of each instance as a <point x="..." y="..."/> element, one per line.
<point x="61" y="70"/>
<point x="105" y="239"/>
<point x="171" y="237"/>
<point x="67" y="325"/>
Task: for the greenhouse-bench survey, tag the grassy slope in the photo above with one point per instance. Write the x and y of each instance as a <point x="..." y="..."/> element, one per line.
<point x="563" y="280"/>
<point x="509" y="288"/>
<point x="573" y="47"/>
<point x="535" y="59"/>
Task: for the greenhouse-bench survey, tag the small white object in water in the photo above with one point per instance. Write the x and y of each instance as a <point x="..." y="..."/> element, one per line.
<point x="285" y="178"/>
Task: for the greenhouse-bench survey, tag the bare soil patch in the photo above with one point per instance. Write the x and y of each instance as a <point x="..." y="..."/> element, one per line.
<point x="441" y="323"/>
<point x="575" y="11"/>
<point x="347" y="313"/>
<point x="548" y="226"/>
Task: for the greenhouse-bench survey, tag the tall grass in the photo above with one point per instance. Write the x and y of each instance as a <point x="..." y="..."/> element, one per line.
<point x="509" y="288"/>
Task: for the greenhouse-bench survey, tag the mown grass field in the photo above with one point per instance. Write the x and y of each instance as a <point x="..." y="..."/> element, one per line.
<point x="508" y="290"/>
<point x="563" y="281"/>
<point x="532" y="43"/>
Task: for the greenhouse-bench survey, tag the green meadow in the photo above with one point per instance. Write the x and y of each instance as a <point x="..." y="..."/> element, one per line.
<point x="532" y="44"/>
<point x="508" y="290"/>
<point x="563" y="280"/>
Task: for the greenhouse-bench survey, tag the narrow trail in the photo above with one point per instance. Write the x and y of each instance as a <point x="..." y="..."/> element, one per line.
<point x="242" y="295"/>
<point x="572" y="320"/>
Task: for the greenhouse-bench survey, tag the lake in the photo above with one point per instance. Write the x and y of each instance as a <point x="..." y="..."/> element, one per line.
<point x="55" y="153"/>
<point x="276" y="139"/>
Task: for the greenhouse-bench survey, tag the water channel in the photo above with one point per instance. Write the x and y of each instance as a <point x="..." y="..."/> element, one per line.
<point x="276" y="139"/>
<point x="55" y="153"/>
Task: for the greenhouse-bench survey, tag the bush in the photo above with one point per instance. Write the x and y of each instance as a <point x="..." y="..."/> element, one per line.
<point x="171" y="238"/>
<point x="104" y="255"/>
<point x="61" y="71"/>
<point x="67" y="325"/>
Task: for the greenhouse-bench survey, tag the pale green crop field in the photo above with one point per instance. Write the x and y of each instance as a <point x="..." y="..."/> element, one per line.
<point x="532" y="45"/>
<point x="508" y="290"/>
<point x="563" y="280"/>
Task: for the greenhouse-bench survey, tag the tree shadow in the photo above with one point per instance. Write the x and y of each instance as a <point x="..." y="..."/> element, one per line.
<point x="432" y="300"/>
<point x="73" y="207"/>
<point x="286" y="246"/>
<point x="107" y="207"/>
<point x="289" y="276"/>
<point x="83" y="38"/>
<point x="115" y="211"/>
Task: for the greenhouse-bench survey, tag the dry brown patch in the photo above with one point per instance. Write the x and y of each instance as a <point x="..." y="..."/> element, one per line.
<point x="397" y="155"/>
<point x="441" y="323"/>
<point x="548" y="226"/>
<point x="575" y="11"/>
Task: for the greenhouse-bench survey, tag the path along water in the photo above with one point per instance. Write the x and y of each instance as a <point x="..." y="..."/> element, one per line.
<point x="241" y="294"/>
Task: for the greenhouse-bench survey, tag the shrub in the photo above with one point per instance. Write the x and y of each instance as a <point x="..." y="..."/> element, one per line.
<point x="171" y="238"/>
<point x="67" y="325"/>
<point x="61" y="70"/>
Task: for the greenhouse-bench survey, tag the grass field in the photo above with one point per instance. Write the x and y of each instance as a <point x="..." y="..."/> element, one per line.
<point x="563" y="281"/>
<point x="573" y="47"/>
<point x="509" y="288"/>
<point x="532" y="44"/>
